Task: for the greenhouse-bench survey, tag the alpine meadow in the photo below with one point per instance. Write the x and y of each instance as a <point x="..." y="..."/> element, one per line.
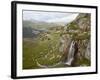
<point x="56" y="39"/>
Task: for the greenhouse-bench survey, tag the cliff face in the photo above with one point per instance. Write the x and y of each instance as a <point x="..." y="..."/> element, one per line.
<point x="79" y="31"/>
<point x="84" y="22"/>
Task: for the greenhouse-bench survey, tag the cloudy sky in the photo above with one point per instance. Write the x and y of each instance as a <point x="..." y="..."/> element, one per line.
<point x="49" y="16"/>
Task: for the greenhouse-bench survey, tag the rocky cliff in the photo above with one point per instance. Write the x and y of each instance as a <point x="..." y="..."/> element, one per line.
<point x="79" y="31"/>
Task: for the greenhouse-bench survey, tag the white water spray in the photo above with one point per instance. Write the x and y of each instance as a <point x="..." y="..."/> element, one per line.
<point x="70" y="54"/>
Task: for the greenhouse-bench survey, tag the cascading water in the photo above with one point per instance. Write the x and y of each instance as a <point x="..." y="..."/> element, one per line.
<point x="70" y="53"/>
<point x="88" y="51"/>
<point x="69" y="59"/>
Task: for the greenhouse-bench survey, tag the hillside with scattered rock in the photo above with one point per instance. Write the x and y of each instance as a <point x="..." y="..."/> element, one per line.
<point x="57" y="45"/>
<point x="79" y="32"/>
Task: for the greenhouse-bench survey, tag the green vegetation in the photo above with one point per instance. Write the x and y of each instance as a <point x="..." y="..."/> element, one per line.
<point x="43" y="49"/>
<point x="79" y="30"/>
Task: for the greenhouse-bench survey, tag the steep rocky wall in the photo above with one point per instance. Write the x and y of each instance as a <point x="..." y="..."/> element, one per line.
<point x="79" y="31"/>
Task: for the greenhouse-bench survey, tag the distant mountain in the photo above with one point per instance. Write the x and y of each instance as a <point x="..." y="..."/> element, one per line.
<point x="29" y="32"/>
<point x="32" y="28"/>
<point x="38" y="24"/>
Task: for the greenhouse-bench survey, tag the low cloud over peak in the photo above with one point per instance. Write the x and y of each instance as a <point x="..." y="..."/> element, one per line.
<point x="51" y="17"/>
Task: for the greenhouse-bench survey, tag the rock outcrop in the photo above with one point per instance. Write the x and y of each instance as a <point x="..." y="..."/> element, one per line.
<point x="79" y="31"/>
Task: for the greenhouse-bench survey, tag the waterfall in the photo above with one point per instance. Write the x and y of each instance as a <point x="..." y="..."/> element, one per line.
<point x="88" y="51"/>
<point x="70" y="53"/>
<point x="70" y="58"/>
